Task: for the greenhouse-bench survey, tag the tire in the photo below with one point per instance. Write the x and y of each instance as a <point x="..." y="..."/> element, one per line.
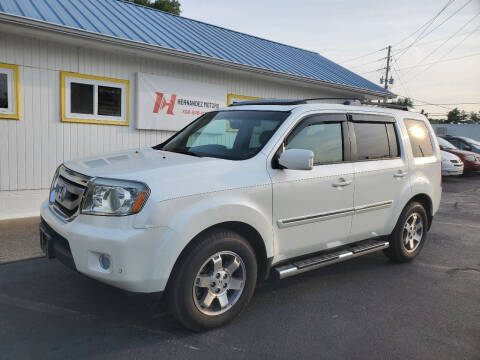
<point x="406" y="243"/>
<point x="200" y="279"/>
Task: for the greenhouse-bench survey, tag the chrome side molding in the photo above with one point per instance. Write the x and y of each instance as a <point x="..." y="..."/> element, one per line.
<point x="283" y="223"/>
<point x="313" y="218"/>
<point x="374" y="206"/>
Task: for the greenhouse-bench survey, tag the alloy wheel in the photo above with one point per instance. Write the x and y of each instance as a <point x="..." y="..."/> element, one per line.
<point x="219" y="283"/>
<point x="412" y="232"/>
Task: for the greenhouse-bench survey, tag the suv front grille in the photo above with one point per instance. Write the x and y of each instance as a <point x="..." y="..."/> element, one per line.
<point x="68" y="192"/>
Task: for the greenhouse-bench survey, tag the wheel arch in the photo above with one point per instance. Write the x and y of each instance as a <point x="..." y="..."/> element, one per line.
<point x="247" y="231"/>
<point x="427" y="203"/>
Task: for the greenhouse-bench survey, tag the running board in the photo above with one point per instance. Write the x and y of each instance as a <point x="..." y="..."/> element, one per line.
<point x="359" y="249"/>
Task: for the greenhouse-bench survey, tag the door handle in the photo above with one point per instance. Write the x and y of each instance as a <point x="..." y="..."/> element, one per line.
<point x="400" y="174"/>
<point x="342" y="182"/>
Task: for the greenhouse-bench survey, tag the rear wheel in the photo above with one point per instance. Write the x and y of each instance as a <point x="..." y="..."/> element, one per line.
<point x="214" y="281"/>
<point x="408" y="237"/>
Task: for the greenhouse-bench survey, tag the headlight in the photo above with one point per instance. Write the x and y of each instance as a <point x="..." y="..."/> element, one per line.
<point x="114" y="197"/>
<point x="470" y="157"/>
<point x="53" y="186"/>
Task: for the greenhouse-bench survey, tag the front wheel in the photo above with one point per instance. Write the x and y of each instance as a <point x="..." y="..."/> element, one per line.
<point x="408" y="237"/>
<point x="214" y="281"/>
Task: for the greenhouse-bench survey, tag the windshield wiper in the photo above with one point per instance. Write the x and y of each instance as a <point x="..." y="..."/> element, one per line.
<point x="185" y="152"/>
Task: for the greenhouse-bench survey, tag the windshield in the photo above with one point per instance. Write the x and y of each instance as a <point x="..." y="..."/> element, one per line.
<point x="470" y="141"/>
<point x="235" y="135"/>
<point x="445" y="144"/>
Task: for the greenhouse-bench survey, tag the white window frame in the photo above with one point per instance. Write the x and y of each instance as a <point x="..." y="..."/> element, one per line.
<point x="13" y="91"/>
<point x="67" y="116"/>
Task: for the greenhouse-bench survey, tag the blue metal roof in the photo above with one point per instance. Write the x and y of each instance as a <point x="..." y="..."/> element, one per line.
<point x="125" y="20"/>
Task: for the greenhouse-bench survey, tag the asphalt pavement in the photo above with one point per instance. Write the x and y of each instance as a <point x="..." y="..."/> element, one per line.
<point x="367" y="308"/>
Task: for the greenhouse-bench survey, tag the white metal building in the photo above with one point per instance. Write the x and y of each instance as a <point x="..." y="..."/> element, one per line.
<point x="80" y="77"/>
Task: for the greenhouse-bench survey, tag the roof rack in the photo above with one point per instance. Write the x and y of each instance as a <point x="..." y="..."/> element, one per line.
<point x="347" y="101"/>
<point x="389" y="106"/>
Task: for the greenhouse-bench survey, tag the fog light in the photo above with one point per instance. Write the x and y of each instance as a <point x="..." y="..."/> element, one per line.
<point x="104" y="261"/>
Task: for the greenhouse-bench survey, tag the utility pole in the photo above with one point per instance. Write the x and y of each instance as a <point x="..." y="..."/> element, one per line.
<point x="387" y="69"/>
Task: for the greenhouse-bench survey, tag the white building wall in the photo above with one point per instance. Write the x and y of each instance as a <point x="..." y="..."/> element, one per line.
<point x="468" y="130"/>
<point x="32" y="147"/>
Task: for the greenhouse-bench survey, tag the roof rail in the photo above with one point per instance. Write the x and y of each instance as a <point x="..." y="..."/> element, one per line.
<point x="390" y="106"/>
<point x="347" y="101"/>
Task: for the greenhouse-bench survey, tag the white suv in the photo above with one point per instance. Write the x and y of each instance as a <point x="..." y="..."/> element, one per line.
<point x="257" y="189"/>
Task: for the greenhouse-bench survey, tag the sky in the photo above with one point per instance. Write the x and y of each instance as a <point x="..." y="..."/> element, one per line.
<point x="343" y="30"/>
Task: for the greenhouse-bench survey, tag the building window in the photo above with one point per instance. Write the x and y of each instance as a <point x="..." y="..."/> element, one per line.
<point x="94" y="99"/>
<point x="419" y="138"/>
<point x="9" y="92"/>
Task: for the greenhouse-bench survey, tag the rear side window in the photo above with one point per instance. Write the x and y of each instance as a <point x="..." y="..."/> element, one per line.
<point x="324" y="139"/>
<point x="392" y="140"/>
<point x="372" y="141"/>
<point x="419" y="138"/>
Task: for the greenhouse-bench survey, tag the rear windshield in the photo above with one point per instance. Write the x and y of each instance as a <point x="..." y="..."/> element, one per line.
<point x="419" y="138"/>
<point x="234" y="135"/>
<point x="470" y="141"/>
<point x="445" y="144"/>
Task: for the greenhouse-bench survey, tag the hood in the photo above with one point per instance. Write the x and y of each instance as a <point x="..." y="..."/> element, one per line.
<point x="449" y="156"/>
<point x="170" y="175"/>
<point x="460" y="153"/>
<point x="133" y="164"/>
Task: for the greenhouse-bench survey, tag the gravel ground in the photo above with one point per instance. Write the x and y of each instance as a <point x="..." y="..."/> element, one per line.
<point x="19" y="239"/>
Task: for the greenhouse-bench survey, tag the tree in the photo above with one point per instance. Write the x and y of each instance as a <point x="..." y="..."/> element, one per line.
<point x="454" y="116"/>
<point x="475" y="117"/>
<point x="405" y="101"/>
<point x="171" y="6"/>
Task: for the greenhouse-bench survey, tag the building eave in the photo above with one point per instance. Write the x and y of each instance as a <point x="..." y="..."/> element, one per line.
<point x="154" y="49"/>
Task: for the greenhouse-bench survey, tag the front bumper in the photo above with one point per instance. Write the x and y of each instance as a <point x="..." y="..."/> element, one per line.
<point x="452" y="171"/>
<point x="470" y="166"/>
<point x="133" y="253"/>
<point x="55" y="246"/>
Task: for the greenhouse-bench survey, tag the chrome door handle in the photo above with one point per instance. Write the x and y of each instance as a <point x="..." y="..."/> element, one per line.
<point x="342" y="182"/>
<point x="400" y="174"/>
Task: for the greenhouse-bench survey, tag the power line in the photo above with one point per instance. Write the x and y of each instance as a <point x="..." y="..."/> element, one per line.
<point x="450" y="2"/>
<point x="425" y="102"/>
<point x="425" y="43"/>
<point x="427" y="23"/>
<point x="463" y="103"/>
<point x="395" y="68"/>
<point x="458" y="44"/>
<point x="439" y="61"/>
<point x="445" y="20"/>
<point x="361" y="56"/>
<point x="371" y="62"/>
<point x="369" y="72"/>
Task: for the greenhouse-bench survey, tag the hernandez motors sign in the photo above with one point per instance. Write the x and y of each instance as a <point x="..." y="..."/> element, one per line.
<point x="165" y="103"/>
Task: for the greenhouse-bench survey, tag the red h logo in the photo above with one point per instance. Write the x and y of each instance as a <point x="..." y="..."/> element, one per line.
<point x="160" y="103"/>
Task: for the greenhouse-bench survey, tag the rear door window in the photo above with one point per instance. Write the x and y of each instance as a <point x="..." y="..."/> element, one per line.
<point x="372" y="140"/>
<point x="392" y="140"/>
<point x="419" y="138"/>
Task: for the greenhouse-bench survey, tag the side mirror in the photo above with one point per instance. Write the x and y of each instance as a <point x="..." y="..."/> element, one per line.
<point x="296" y="159"/>
<point x="467" y="147"/>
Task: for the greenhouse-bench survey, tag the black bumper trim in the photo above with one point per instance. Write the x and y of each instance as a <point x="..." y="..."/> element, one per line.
<point x="55" y="246"/>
